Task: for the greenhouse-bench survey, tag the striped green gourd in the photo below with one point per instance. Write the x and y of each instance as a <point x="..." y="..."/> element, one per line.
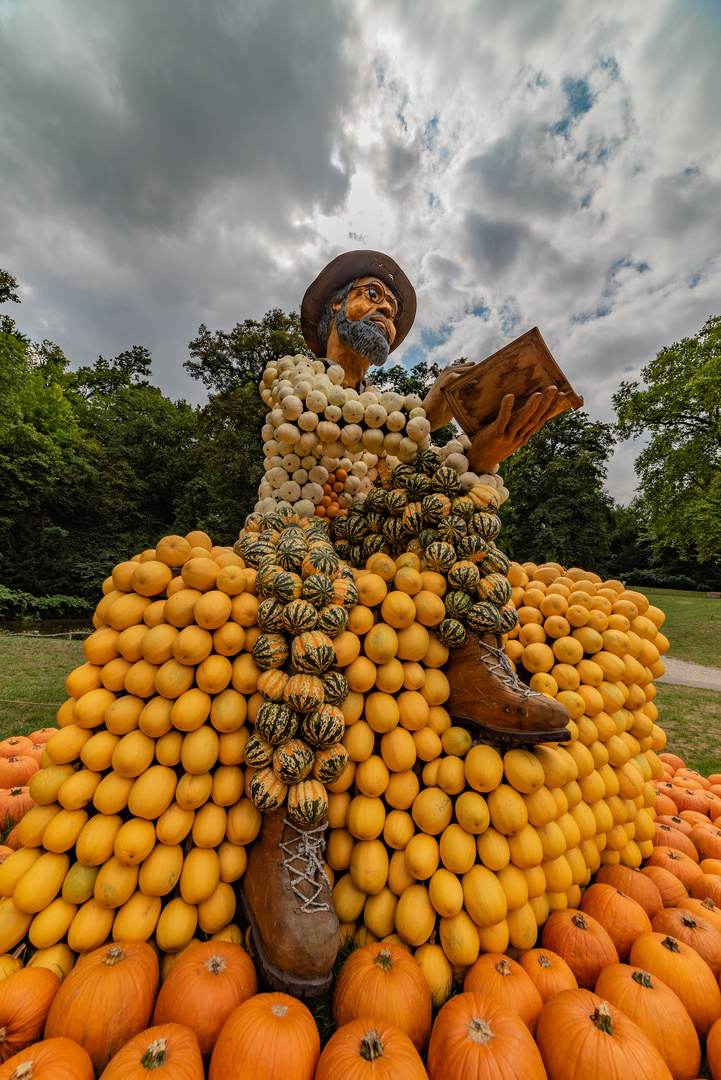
<point x="272" y="683"/>
<point x="298" y="616"/>
<point x="270" y="651"/>
<point x="323" y="727"/>
<point x="509" y="618"/>
<point x="257" y="753"/>
<point x="335" y="688"/>
<point x="293" y="761"/>
<point x="447" y="481"/>
<point x="333" y="620"/>
<point x="313" y="652"/>
<point x="464" y="575"/>
<point x="304" y="693"/>
<point x="451" y="633"/>
<point x="307" y="802"/>
<point x="496" y="588"/>
<point x="287" y="586"/>
<point x="484" y="617"/>
<point x="330" y="763"/>
<point x="266" y="791"/>
<point x="440" y="556"/>
<point x="276" y="723"/>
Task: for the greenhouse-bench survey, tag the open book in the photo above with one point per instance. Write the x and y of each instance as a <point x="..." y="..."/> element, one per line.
<point x="521" y="368"/>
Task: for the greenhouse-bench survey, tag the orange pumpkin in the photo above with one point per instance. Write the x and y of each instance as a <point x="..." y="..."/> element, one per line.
<point x="383" y="981"/>
<point x="579" y="1034"/>
<point x="25" y="999"/>
<point x="106" y="999"/>
<point x="51" y="1059"/>
<point x="647" y="1001"/>
<point x="681" y="968"/>
<point x="671" y="889"/>
<point x="365" y="1050"/>
<point x="582" y="942"/>
<point x="170" y="1047"/>
<point x="677" y="863"/>
<point x="274" y="1029"/>
<point x="16" y="745"/>
<point x="203" y="988"/>
<point x="506" y="981"/>
<point x="15" y="803"/>
<point x="476" y="1036"/>
<point x="696" y="931"/>
<point x="16" y="771"/>
<point x="635" y="884"/>
<point x="548" y="972"/>
<point x="623" y="918"/>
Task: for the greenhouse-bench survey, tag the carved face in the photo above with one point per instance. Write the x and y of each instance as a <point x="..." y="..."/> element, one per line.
<point x="365" y="319"/>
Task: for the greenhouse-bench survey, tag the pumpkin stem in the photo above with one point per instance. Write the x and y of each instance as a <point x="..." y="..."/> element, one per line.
<point x="708" y="903"/>
<point x="23" y="945"/>
<point x="543" y="961"/>
<point x="383" y="960"/>
<point x="215" y="964"/>
<point x="503" y="968"/>
<point x="278" y="1010"/>
<point x="602" y="1018"/>
<point x="579" y="921"/>
<point x="671" y="944"/>
<point x="113" y="956"/>
<point x="24" y="1071"/>
<point x="3" y="1034"/>
<point x="156" y="1055"/>
<point x="689" y="921"/>
<point x="480" y="1031"/>
<point x="643" y="979"/>
<point x="371" y="1046"/>
<point x="15" y="791"/>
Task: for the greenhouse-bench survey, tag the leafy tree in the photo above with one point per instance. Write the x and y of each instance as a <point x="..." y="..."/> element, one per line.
<point x="228" y="459"/>
<point x="679" y="409"/>
<point x="558" y="509"/>
<point x="8" y="285"/>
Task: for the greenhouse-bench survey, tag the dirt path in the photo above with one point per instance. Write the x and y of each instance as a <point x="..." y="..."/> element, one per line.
<point x="682" y="673"/>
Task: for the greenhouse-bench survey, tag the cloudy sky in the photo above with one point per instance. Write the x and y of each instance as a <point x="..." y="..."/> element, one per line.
<point x="167" y="163"/>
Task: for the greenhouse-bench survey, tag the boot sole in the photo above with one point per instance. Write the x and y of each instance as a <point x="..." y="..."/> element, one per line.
<point x="509" y="736"/>
<point x="286" y="982"/>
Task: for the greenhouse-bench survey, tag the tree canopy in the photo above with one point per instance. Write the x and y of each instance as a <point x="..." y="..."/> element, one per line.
<point x="678" y="406"/>
<point x="559" y="510"/>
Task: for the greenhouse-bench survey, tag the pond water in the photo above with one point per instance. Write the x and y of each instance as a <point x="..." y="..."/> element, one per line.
<point x="45" y="627"/>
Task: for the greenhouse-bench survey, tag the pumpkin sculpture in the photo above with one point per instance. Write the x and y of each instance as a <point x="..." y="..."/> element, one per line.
<point x="382" y="981"/>
<point x="106" y="999"/>
<point x="366" y="1050"/>
<point x="203" y="988"/>
<point x="168" y="1047"/>
<point x="268" y="1037"/>
<point x="580" y="1034"/>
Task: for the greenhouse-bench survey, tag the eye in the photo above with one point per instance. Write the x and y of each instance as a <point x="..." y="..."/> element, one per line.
<point x="373" y="292"/>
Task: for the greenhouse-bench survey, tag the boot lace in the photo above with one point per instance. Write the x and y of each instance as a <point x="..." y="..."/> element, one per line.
<point x="306" y="848"/>
<point x="501" y="668"/>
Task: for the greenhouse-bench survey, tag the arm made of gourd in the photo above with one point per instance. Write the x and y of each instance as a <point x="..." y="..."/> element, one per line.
<point x="512" y="428"/>
<point x="438" y="411"/>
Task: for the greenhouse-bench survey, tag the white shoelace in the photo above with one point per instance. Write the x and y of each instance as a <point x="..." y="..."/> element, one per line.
<point x="309" y="846"/>
<point x="501" y="667"/>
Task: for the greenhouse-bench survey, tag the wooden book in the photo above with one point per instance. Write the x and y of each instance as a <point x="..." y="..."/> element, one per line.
<point x="522" y="367"/>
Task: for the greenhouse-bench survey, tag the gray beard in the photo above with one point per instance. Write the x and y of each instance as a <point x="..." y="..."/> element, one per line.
<point x="366" y="338"/>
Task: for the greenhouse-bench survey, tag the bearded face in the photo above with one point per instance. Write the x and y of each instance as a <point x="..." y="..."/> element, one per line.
<point x="365" y="337"/>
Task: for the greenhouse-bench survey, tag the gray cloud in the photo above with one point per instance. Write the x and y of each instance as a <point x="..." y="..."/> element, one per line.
<point x="543" y="163"/>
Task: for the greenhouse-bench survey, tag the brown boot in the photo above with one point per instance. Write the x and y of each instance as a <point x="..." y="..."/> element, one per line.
<point x="286" y="897"/>
<point x="487" y="696"/>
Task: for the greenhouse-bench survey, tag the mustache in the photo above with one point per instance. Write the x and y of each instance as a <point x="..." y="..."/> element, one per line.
<point x="368" y="338"/>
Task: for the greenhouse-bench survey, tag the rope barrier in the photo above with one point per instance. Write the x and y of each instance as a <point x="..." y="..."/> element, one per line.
<point x="30" y="636"/>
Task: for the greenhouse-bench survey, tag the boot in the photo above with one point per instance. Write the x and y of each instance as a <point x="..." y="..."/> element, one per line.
<point x="487" y="696"/>
<point x="286" y="897"/>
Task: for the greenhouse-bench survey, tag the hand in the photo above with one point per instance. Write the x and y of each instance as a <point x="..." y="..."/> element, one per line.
<point x="512" y="428"/>
<point x="437" y="408"/>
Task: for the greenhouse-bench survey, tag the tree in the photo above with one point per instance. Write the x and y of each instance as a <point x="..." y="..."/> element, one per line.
<point x="679" y="409"/>
<point x="558" y="509"/>
<point x="8" y="285"/>
<point x="223" y="361"/>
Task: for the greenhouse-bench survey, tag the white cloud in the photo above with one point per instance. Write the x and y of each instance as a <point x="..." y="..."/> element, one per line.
<point x="539" y="163"/>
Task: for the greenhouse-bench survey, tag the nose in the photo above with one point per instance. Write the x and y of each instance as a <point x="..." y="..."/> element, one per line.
<point x="386" y="306"/>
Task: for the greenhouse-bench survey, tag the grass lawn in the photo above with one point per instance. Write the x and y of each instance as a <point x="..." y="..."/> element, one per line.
<point x="33" y="671"/>
<point x="691" y="719"/>
<point x="693" y="624"/>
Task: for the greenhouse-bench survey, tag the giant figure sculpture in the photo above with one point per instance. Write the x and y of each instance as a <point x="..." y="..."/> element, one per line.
<point x="358" y="310"/>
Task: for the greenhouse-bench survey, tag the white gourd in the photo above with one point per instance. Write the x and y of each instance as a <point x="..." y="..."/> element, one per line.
<point x="300" y="476"/>
<point x="391" y="401"/>
<point x="330" y="463"/>
<point x="503" y="494"/>
<point x="328" y="432"/>
<point x="352" y="484"/>
<point x="316" y="401"/>
<point x="417" y="428"/>
<point x="337" y="396"/>
<point x="277" y="418"/>
<point x="353" y="411"/>
<point x="344" y="499"/>
<point x="292" y="407"/>
<point x="411" y="401"/>
<point x="336" y="374"/>
<point x="392" y="441"/>
<point x="265" y="490"/>
<point x="290" y="491"/>
<point x="367" y="398"/>
<point x="308" y="441"/>
<point x="453" y="446"/>
<point x="370" y="459"/>
<point x="312" y="492"/>
<point x="335" y="449"/>
<point x="288" y="433"/>
<point x="375" y="416"/>
<point x="277" y="477"/>
<point x="333" y="413"/>
<point x="469" y="480"/>
<point x="304" y="507"/>
<point x="350" y="434"/>
<point x="459" y="462"/>
<point x="464" y="441"/>
<point x="267" y="432"/>
<point x="359" y="468"/>
<point x="395" y="421"/>
<point x="373" y="439"/>
<point x="308" y="421"/>
<point x="365" y="485"/>
<point x="318" y="475"/>
<point x="291" y="462"/>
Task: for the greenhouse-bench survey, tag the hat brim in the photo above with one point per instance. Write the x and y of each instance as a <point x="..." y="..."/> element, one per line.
<point x="348" y="267"/>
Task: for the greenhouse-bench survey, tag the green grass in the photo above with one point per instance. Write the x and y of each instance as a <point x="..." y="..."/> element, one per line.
<point x="693" y="624"/>
<point x="34" y="670"/>
<point x="691" y="719"/>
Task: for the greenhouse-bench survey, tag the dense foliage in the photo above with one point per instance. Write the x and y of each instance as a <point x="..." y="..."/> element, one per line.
<point x="679" y="408"/>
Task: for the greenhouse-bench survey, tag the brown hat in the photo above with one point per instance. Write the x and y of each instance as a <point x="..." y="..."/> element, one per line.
<point x="348" y="267"/>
